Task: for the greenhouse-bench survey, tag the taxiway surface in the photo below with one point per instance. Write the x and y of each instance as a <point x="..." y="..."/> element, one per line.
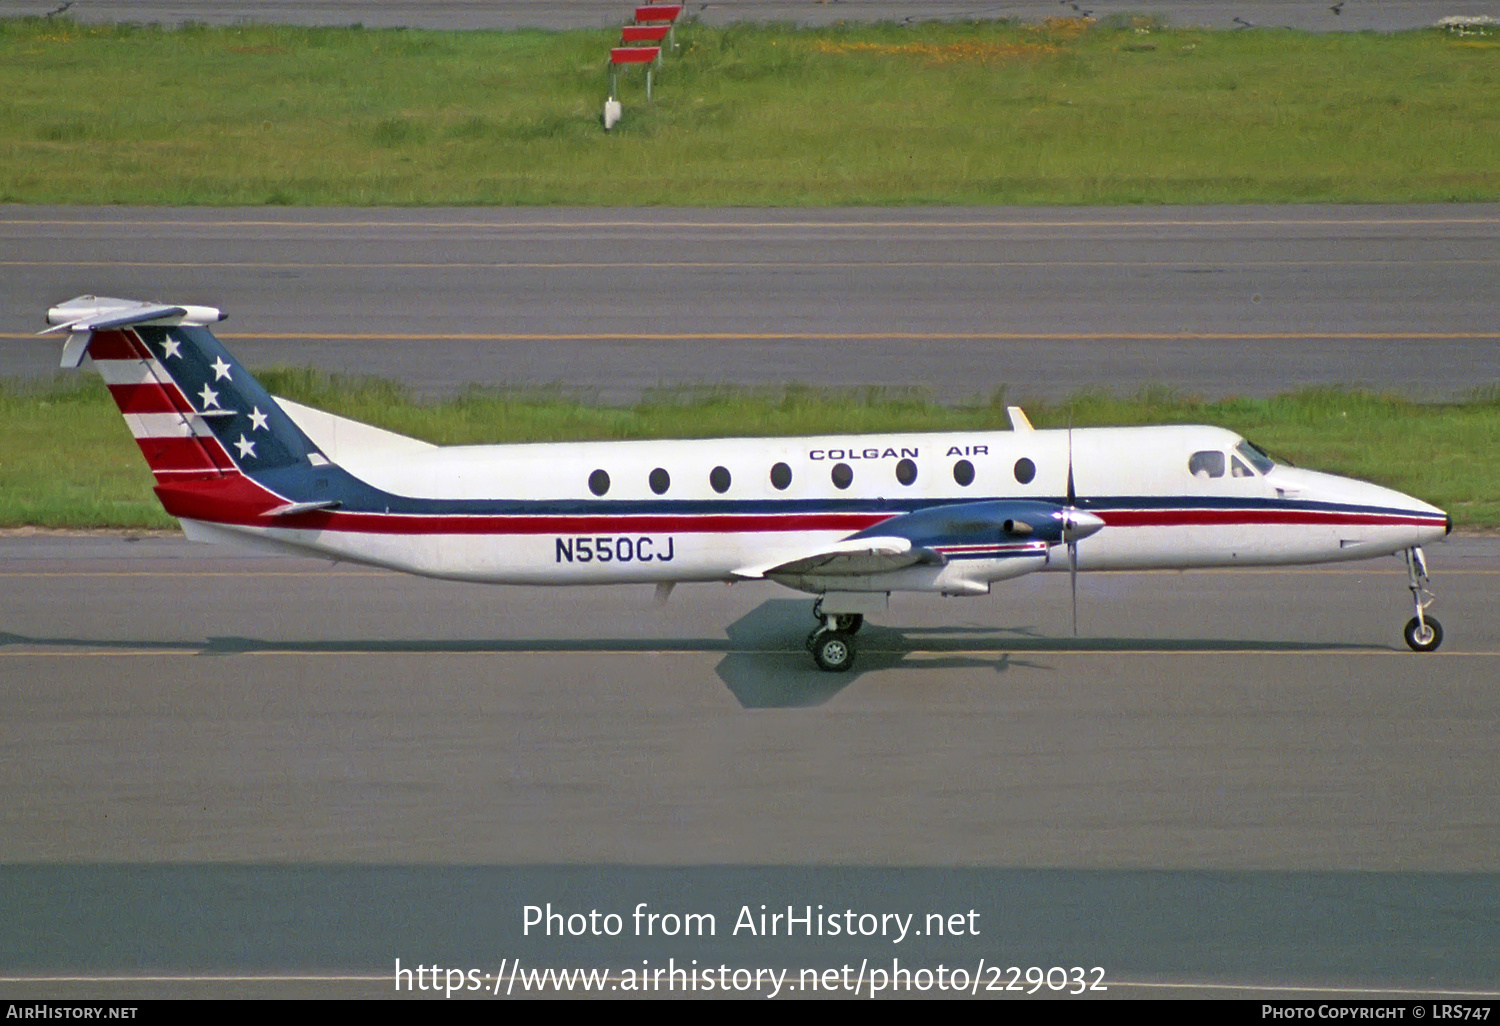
<point x="961" y="302"/>
<point x="250" y="775"/>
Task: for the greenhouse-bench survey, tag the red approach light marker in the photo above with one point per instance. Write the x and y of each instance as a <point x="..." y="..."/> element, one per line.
<point x="658" y="12"/>
<point x="644" y="33"/>
<point x="633" y="54"/>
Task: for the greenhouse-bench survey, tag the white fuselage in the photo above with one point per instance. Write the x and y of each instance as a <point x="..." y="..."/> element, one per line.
<point x="708" y="510"/>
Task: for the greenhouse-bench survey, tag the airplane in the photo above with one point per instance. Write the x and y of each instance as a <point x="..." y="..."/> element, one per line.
<point x="847" y="519"/>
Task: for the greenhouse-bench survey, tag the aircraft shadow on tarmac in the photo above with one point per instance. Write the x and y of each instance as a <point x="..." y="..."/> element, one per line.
<point x="761" y="673"/>
<point x="765" y="664"/>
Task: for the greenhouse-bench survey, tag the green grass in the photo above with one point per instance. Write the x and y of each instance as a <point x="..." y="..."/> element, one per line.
<point x="936" y="113"/>
<point x="67" y="459"/>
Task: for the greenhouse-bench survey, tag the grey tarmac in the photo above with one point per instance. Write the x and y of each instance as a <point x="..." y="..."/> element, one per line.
<point x="1240" y="15"/>
<point x="247" y="775"/>
<point x="1042" y="302"/>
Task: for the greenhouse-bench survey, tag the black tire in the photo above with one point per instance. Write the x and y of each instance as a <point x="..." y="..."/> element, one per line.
<point x="834" y="651"/>
<point x="812" y="639"/>
<point x="849" y="623"/>
<point x="1414" y="639"/>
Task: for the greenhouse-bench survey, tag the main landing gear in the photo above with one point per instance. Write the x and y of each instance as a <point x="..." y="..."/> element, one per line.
<point x="832" y="644"/>
<point x="1423" y="633"/>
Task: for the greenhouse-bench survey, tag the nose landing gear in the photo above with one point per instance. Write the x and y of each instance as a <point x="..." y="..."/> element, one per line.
<point x="1423" y="633"/>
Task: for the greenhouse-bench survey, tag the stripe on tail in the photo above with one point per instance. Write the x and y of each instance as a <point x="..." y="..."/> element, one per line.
<point x="172" y="436"/>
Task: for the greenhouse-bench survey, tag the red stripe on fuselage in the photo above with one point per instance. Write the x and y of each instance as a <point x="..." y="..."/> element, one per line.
<point x="712" y="523"/>
<point x="715" y="523"/>
<point x="235" y="499"/>
<point x="1242" y="517"/>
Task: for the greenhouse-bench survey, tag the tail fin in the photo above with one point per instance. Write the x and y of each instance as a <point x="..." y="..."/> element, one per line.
<point x="194" y="411"/>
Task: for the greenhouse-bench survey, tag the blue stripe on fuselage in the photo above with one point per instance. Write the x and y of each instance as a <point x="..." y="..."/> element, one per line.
<point x="305" y="483"/>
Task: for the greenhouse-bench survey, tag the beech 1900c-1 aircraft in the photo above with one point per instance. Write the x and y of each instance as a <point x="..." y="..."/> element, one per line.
<point x="849" y="519"/>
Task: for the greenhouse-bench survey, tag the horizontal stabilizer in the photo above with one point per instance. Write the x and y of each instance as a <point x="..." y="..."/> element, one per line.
<point x="292" y="508"/>
<point x="101" y="313"/>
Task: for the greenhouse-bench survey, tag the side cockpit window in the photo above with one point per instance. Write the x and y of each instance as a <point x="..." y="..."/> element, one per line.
<point x="1255" y="456"/>
<point x="1208" y="463"/>
<point x="1238" y="468"/>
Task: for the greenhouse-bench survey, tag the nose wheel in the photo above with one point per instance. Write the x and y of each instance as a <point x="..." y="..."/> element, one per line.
<point x="1423" y="633"/>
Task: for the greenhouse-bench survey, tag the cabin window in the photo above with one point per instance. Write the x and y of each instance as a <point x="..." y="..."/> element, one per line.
<point x="843" y="475"/>
<point x="1208" y="463"/>
<point x="598" y="482"/>
<point x="963" y="472"/>
<point x="906" y="472"/>
<point x="1025" y="470"/>
<point x="1238" y="468"/>
<point x="659" y="480"/>
<point x="718" y="479"/>
<point x="781" y="477"/>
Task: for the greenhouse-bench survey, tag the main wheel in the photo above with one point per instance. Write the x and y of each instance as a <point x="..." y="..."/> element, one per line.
<point x="1422" y="640"/>
<point x="834" y="651"/>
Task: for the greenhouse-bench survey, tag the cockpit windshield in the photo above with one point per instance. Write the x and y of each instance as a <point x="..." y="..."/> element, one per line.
<point x="1256" y="456"/>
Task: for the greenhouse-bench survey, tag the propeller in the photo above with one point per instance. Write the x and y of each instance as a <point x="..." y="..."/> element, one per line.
<point x="1070" y="533"/>
<point x="1076" y="524"/>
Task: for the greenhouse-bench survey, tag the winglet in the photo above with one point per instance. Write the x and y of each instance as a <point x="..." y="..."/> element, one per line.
<point x="1018" y="421"/>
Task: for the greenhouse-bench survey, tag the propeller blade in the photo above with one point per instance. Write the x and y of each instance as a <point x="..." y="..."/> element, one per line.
<point x="1070" y="528"/>
<point x="1072" y="495"/>
<point x="1073" y="581"/>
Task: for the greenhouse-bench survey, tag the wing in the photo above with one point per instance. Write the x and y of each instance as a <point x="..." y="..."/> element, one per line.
<point x="851" y="557"/>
